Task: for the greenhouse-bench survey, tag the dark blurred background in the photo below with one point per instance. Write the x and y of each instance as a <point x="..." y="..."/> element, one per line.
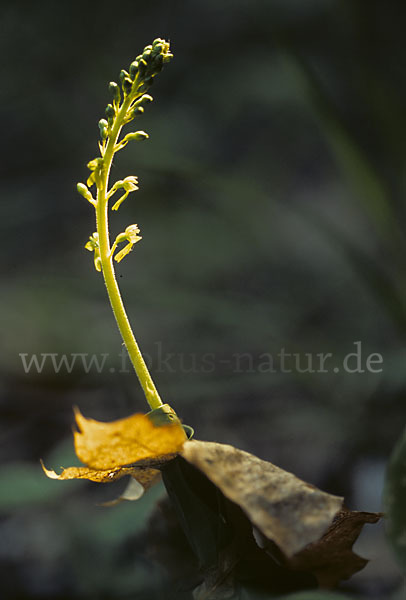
<point x="271" y="205"/>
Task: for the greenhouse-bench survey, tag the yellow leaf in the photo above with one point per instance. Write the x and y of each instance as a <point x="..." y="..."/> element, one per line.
<point x="105" y="476"/>
<point x="125" y="441"/>
<point x="136" y="446"/>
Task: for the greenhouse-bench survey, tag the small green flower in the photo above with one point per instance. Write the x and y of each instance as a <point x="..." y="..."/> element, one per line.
<point x="95" y="166"/>
<point x="129" y="184"/>
<point x="131" y="236"/>
<point x="93" y="246"/>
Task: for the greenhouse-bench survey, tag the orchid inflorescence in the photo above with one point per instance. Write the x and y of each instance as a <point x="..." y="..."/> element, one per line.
<point x="128" y="102"/>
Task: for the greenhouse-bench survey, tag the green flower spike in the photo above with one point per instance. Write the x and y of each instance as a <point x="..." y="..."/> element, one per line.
<point x="127" y="103"/>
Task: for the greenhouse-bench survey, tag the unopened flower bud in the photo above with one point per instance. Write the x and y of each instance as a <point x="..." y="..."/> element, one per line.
<point x="148" y="81"/>
<point x="138" y="110"/>
<point x="146" y="55"/>
<point x="123" y="75"/>
<point x="127" y="85"/>
<point x="136" y="136"/>
<point x="103" y="127"/>
<point x="85" y="192"/>
<point x="158" y="62"/>
<point x="145" y="99"/>
<point x="133" y="69"/>
<point x="115" y="91"/>
<point x="157" y="49"/>
<point x="142" y="66"/>
<point x="110" y="112"/>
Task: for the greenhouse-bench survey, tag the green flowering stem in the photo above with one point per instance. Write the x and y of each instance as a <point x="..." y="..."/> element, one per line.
<point x="119" y="311"/>
<point x="113" y="290"/>
<point x="134" y="84"/>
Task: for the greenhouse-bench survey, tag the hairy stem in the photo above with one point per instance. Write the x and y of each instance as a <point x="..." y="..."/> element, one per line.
<point x="106" y="258"/>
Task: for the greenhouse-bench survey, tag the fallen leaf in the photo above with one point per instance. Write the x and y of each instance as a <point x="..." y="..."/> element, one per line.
<point x="137" y="446"/>
<point x="282" y="507"/>
<point x="108" y="445"/>
<point x="331" y="558"/>
<point x="301" y="529"/>
<point x="102" y="476"/>
<point x="238" y="563"/>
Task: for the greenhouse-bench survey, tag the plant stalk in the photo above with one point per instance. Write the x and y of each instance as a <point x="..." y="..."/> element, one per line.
<point x="113" y="290"/>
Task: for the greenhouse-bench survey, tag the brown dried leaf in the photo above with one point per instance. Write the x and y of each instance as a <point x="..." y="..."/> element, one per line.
<point x="286" y="510"/>
<point x="331" y="558"/>
<point x="302" y="529"/>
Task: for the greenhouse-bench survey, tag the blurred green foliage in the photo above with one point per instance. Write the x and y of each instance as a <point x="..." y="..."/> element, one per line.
<point x="271" y="205"/>
<point x="395" y="500"/>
